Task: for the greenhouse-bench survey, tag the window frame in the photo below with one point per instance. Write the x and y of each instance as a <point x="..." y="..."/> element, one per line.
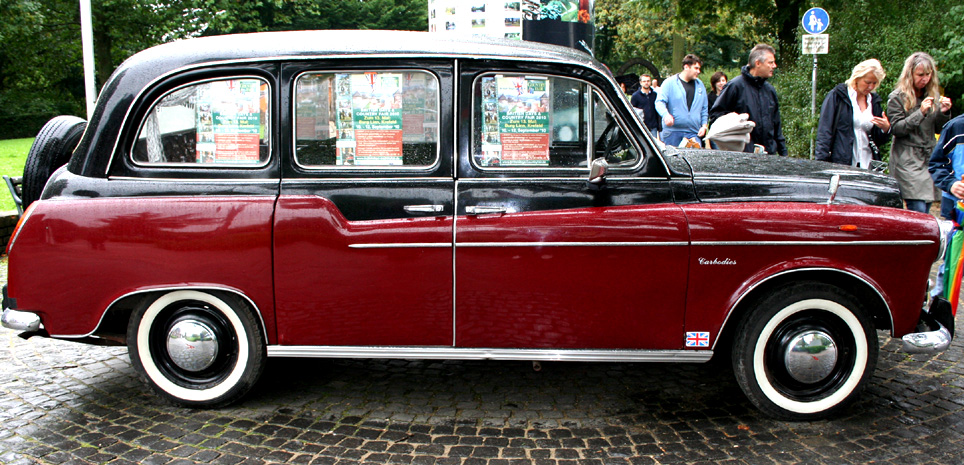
<point x="269" y="133"/>
<point x="292" y="132"/>
<point x="590" y="111"/>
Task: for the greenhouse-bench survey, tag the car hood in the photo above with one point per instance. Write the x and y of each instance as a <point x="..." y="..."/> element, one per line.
<point x="735" y="176"/>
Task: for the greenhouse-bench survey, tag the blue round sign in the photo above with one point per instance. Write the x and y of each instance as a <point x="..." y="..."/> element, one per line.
<point x="816" y="20"/>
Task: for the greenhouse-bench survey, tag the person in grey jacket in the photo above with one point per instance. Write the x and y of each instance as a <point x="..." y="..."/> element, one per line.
<point x="852" y="118"/>
<point x="917" y="111"/>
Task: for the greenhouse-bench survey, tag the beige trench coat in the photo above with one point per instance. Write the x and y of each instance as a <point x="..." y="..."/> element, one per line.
<point x="913" y="142"/>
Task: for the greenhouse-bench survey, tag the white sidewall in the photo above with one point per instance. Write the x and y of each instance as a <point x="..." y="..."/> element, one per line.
<point x="860" y="362"/>
<point x="144" y="350"/>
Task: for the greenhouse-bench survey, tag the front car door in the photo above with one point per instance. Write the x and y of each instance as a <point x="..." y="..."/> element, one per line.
<point x="543" y="258"/>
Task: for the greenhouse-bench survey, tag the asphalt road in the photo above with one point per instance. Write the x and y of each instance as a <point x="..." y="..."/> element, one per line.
<point x="62" y="402"/>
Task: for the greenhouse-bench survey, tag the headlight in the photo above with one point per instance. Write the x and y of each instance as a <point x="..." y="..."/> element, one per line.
<point x="946" y="227"/>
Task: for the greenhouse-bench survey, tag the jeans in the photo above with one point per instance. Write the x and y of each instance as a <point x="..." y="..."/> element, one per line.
<point x="673" y="139"/>
<point x="918" y="205"/>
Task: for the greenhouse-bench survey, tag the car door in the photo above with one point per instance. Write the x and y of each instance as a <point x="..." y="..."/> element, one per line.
<point x="545" y="259"/>
<point x="363" y="224"/>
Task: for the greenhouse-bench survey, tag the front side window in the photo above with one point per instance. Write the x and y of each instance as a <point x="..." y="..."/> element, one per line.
<point x="532" y="121"/>
<point x="375" y="119"/>
<point x="213" y="123"/>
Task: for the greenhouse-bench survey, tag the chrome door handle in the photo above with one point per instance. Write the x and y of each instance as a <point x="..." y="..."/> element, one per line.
<point x="423" y="208"/>
<point x="481" y="210"/>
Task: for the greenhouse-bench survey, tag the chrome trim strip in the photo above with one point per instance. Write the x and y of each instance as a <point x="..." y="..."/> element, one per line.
<point x="353" y="180"/>
<point x="403" y="245"/>
<point x="756" y="243"/>
<point x="749" y="290"/>
<point x="196" y="180"/>
<point x="457" y="353"/>
<point x="569" y="244"/>
<point x="257" y="311"/>
<point x="456" y="127"/>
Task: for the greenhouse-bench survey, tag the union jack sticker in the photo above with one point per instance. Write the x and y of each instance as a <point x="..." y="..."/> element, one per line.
<point x="697" y="339"/>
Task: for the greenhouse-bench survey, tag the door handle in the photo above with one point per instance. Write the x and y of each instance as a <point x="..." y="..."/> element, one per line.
<point x="423" y="208"/>
<point x="482" y="210"/>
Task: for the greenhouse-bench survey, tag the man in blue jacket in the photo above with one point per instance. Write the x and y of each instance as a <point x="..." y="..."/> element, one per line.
<point x="682" y="104"/>
<point x="947" y="165"/>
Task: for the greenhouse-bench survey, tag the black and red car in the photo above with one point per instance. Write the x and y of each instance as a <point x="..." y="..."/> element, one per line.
<point x="393" y="194"/>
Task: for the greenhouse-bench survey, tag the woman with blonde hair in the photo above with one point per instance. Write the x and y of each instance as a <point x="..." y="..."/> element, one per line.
<point x="917" y="112"/>
<point x="852" y="121"/>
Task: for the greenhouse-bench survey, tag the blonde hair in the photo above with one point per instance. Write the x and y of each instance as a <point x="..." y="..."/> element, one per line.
<point x="905" y="83"/>
<point x="864" y="68"/>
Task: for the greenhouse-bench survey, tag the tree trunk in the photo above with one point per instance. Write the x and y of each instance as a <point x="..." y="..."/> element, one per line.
<point x="103" y="64"/>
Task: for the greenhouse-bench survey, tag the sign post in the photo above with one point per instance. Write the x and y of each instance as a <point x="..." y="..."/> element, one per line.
<point x="815" y="42"/>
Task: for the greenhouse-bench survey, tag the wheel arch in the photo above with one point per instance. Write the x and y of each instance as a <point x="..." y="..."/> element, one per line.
<point x="861" y="288"/>
<point x="115" y="319"/>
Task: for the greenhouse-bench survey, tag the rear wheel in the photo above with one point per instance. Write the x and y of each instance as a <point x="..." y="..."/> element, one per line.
<point x="197" y="349"/>
<point x="51" y="149"/>
<point x="805" y="351"/>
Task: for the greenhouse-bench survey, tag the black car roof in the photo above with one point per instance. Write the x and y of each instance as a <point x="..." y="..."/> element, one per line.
<point x="307" y="44"/>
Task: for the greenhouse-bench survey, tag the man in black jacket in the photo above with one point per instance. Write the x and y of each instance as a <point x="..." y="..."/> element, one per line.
<point x="750" y="93"/>
<point x="645" y="100"/>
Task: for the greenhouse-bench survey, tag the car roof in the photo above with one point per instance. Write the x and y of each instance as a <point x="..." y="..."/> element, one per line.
<point x="339" y="43"/>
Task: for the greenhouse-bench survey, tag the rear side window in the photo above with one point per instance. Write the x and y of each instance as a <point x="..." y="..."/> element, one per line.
<point x="212" y="123"/>
<point x="374" y="119"/>
<point x="544" y="122"/>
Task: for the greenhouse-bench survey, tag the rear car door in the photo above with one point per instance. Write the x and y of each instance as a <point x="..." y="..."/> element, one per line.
<point x="363" y="224"/>
<point x="545" y="259"/>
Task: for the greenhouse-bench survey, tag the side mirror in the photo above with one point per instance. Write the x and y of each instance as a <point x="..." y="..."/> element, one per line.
<point x="597" y="171"/>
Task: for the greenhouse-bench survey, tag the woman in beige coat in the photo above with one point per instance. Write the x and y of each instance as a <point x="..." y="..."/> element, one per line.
<point x="917" y="112"/>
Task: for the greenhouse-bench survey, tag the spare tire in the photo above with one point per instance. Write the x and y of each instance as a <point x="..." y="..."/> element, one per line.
<point x="50" y="150"/>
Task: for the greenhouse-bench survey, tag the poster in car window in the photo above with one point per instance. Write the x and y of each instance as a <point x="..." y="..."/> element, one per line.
<point x="419" y="108"/>
<point x="369" y="119"/>
<point x="229" y="121"/>
<point x="515" y="121"/>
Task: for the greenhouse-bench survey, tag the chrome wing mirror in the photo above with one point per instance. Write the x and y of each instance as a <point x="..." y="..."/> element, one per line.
<point x="597" y="171"/>
<point x="834" y="186"/>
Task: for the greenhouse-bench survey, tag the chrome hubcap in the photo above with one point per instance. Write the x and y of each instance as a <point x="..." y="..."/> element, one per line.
<point x="192" y="345"/>
<point x="811" y="356"/>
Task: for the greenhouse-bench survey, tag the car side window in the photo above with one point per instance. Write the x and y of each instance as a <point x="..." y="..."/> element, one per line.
<point x="374" y="119"/>
<point x="544" y="122"/>
<point x="213" y="123"/>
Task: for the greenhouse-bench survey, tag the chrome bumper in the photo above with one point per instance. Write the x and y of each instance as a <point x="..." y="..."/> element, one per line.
<point x="937" y="330"/>
<point x="20" y="321"/>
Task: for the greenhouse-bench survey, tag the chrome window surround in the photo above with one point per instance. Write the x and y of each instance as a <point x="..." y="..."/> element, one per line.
<point x="355" y="168"/>
<point x="593" y="91"/>
<point x="140" y="127"/>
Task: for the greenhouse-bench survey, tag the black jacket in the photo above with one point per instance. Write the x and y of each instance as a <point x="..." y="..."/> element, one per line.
<point x="756" y="97"/>
<point x="835" y="133"/>
<point x="647" y="103"/>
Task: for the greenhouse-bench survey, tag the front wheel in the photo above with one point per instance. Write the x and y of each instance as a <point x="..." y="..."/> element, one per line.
<point x="804" y="352"/>
<point x="197" y="349"/>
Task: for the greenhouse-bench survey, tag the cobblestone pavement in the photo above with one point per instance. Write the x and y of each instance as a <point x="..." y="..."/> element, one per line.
<point x="62" y="402"/>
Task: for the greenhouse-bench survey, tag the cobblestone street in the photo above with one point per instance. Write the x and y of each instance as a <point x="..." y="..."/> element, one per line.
<point x="62" y="402"/>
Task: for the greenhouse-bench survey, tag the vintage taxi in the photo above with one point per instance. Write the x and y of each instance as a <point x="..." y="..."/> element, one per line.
<point x="400" y="195"/>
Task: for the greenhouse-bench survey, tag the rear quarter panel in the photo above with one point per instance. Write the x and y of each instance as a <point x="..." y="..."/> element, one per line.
<point x="73" y="258"/>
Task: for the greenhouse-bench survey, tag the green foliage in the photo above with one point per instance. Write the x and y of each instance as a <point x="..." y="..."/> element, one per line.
<point x="951" y="55"/>
<point x="13" y="155"/>
<point x="859" y="30"/>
